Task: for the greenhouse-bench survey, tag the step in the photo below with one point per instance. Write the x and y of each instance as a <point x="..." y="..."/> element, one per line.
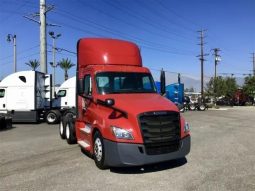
<point x="83" y="144"/>
<point x="86" y="129"/>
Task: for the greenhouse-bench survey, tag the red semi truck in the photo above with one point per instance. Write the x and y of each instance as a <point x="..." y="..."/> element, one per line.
<point x="120" y="118"/>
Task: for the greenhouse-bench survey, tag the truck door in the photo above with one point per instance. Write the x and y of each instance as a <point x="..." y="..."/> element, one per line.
<point x="85" y="110"/>
<point x="3" y="105"/>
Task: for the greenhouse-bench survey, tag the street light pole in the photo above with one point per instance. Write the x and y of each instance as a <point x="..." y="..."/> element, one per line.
<point x="12" y="38"/>
<point x="53" y="64"/>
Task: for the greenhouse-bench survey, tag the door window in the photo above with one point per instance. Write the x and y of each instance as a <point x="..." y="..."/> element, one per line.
<point x="61" y="93"/>
<point x="2" y="92"/>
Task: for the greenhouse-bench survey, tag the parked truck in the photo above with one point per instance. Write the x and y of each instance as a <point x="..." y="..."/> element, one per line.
<point x="65" y="97"/>
<point x="120" y="118"/>
<point x="66" y="94"/>
<point x="26" y="96"/>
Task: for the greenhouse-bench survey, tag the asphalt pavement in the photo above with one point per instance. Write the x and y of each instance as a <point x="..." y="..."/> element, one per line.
<point x="222" y="157"/>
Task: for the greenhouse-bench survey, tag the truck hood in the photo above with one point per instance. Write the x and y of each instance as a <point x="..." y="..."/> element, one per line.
<point x="135" y="104"/>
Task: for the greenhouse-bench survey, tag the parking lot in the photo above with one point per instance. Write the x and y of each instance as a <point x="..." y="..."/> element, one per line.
<point x="222" y="157"/>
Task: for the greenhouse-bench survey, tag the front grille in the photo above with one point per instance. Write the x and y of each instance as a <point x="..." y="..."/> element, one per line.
<point x="160" y="131"/>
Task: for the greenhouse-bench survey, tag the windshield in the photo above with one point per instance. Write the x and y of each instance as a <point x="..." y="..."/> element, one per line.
<point x="124" y="82"/>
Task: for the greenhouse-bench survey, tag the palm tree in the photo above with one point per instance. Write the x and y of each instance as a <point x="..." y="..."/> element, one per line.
<point x="33" y="64"/>
<point x="65" y="64"/>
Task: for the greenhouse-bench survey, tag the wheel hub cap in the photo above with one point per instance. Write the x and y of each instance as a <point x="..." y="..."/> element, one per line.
<point x="98" y="149"/>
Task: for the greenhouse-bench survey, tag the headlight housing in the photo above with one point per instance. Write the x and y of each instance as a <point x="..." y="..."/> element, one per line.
<point x="122" y="133"/>
<point x="186" y="127"/>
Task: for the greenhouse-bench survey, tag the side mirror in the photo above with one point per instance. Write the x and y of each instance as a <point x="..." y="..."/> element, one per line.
<point x="80" y="88"/>
<point x="162" y="82"/>
<point x="109" y="102"/>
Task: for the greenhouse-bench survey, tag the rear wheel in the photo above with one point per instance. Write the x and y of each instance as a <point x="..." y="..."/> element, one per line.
<point x="70" y="132"/>
<point x="52" y="117"/>
<point x="202" y="107"/>
<point x="99" y="153"/>
<point x="63" y="123"/>
<point x="192" y="107"/>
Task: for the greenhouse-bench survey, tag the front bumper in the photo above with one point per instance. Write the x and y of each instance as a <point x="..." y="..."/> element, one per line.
<point x="126" y="154"/>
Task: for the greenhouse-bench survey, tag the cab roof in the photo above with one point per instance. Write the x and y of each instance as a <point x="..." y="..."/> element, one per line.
<point x="104" y="51"/>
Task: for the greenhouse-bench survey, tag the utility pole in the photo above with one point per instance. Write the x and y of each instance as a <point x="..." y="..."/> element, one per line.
<point x="53" y="63"/>
<point x="201" y="58"/>
<point x="253" y="62"/>
<point x="43" y="40"/>
<point x="216" y="60"/>
<point x="12" y="38"/>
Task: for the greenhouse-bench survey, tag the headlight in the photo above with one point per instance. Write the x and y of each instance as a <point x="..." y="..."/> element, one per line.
<point x="122" y="133"/>
<point x="186" y="127"/>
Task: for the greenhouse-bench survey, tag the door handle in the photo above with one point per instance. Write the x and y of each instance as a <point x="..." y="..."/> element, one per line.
<point x="3" y="105"/>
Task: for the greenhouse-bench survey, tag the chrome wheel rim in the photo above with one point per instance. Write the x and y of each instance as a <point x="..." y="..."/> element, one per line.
<point x="98" y="149"/>
<point x="51" y="117"/>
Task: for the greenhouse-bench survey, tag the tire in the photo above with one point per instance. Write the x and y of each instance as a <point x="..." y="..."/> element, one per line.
<point x="202" y="107"/>
<point x="53" y="117"/>
<point x="62" y="124"/>
<point x="98" y="150"/>
<point x="2" y="122"/>
<point x="62" y="127"/>
<point x="181" y="108"/>
<point x="70" y="132"/>
<point x="192" y="107"/>
<point x="69" y="114"/>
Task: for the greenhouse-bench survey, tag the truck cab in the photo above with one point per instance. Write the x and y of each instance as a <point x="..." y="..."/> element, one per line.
<point x="120" y="118"/>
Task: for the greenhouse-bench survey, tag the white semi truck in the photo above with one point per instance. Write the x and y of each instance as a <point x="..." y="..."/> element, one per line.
<point x="27" y="97"/>
<point x="65" y="98"/>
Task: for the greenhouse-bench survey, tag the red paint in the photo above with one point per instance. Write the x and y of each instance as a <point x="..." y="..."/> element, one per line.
<point x="101" y="55"/>
<point x="108" y="51"/>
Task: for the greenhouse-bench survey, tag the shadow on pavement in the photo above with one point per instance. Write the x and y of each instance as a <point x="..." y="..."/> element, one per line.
<point x="150" y="168"/>
<point x="7" y="128"/>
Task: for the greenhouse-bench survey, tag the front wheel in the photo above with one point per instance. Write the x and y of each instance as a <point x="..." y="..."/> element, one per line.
<point x="99" y="153"/>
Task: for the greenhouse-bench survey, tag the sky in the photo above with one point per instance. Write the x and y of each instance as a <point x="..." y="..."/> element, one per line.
<point x="165" y="31"/>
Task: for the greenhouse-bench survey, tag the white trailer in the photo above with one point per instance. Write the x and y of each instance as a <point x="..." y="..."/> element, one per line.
<point x="27" y="97"/>
<point x="65" y="98"/>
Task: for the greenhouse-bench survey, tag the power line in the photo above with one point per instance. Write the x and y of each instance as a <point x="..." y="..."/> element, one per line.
<point x="143" y="19"/>
<point x="160" y="35"/>
<point x="20" y="52"/>
<point x="176" y="14"/>
<point x="161" y="15"/>
<point x="22" y="58"/>
<point x="93" y="24"/>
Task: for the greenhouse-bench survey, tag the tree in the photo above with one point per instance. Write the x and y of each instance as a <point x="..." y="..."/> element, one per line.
<point x="34" y="64"/>
<point x="221" y="87"/>
<point x="249" y="86"/>
<point x="231" y="87"/>
<point x="65" y="64"/>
